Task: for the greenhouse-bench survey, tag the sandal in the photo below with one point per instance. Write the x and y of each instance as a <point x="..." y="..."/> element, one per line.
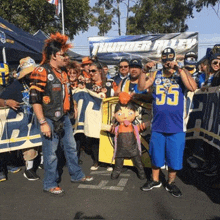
<point x="55" y="191"/>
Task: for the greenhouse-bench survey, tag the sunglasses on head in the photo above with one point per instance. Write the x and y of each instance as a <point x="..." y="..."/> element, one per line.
<point x="123" y="66"/>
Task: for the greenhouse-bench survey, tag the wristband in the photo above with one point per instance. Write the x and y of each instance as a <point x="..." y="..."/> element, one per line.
<point x="42" y="121"/>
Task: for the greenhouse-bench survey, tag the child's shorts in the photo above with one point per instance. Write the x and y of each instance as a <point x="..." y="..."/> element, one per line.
<point x="167" y="148"/>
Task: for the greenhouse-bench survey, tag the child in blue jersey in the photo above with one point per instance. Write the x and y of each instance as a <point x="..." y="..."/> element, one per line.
<point x="168" y="130"/>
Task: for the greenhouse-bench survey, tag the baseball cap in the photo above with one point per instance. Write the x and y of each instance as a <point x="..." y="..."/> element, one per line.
<point x="135" y="62"/>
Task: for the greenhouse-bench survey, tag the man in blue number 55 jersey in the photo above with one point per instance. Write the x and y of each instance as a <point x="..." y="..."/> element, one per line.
<point x="168" y="129"/>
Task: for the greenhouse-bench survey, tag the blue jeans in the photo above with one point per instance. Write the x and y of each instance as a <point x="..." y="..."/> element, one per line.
<point x="50" y="146"/>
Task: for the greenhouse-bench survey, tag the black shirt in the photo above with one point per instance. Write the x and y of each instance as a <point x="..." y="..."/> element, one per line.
<point x="13" y="91"/>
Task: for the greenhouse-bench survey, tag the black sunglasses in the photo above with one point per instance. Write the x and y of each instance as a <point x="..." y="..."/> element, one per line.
<point x="93" y="71"/>
<point x="216" y="62"/>
<point x="123" y="66"/>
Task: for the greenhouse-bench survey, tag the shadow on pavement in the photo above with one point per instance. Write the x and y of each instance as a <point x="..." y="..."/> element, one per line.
<point x="189" y="176"/>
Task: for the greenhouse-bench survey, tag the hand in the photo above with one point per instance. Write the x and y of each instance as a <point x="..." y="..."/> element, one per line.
<point x="112" y="130"/>
<point x="173" y="65"/>
<point x="13" y="104"/>
<point x="149" y="65"/>
<point x="45" y="129"/>
<point x="132" y="94"/>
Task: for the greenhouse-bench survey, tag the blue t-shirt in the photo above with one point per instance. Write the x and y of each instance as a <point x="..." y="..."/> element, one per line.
<point x="201" y="80"/>
<point x="132" y="87"/>
<point x="168" y="103"/>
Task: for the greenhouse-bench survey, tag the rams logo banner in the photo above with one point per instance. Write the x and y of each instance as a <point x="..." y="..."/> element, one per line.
<point x="18" y="130"/>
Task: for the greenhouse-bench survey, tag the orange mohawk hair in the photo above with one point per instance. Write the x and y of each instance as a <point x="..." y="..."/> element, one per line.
<point x="124" y="98"/>
<point x="59" y="38"/>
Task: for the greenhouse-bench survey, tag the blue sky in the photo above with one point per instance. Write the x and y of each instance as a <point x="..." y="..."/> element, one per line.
<point x="206" y="23"/>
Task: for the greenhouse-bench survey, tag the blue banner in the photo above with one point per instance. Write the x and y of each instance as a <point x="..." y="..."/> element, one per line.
<point x="111" y="50"/>
<point x="18" y="130"/>
<point x="204" y="119"/>
<point x="89" y="106"/>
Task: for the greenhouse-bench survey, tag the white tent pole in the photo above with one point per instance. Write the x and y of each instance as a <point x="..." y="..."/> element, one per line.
<point x="62" y="17"/>
<point x="4" y="55"/>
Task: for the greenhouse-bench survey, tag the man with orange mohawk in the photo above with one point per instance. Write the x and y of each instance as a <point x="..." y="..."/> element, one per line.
<point x="50" y="95"/>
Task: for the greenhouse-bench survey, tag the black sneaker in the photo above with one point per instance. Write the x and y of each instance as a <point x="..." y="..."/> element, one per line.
<point x="149" y="185"/>
<point x="31" y="175"/>
<point x="173" y="189"/>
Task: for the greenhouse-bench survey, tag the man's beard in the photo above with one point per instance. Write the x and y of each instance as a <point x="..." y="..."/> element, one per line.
<point x="134" y="78"/>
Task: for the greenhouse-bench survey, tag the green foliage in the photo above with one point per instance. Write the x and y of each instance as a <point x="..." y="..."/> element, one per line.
<point x="32" y="15"/>
<point x="159" y="16"/>
<point x="205" y="3"/>
<point x="102" y="21"/>
<point x="102" y="14"/>
<point x="107" y="13"/>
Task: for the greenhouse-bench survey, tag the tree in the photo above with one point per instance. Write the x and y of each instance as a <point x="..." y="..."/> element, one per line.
<point x="32" y="15"/>
<point x="108" y="13"/>
<point x="159" y="16"/>
<point x="103" y="20"/>
<point x="199" y="4"/>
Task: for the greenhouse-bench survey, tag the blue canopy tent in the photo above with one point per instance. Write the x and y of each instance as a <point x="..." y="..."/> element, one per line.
<point x="18" y="43"/>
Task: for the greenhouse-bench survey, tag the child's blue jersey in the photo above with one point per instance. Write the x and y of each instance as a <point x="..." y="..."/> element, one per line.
<point x="168" y="103"/>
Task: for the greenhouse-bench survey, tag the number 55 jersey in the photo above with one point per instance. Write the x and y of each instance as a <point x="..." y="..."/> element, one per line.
<point x="168" y="103"/>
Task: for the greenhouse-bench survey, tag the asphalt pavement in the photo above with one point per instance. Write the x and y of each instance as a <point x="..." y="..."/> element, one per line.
<point x="108" y="199"/>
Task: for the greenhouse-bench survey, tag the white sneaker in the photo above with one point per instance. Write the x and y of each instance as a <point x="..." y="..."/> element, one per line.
<point x="94" y="167"/>
<point x="109" y="169"/>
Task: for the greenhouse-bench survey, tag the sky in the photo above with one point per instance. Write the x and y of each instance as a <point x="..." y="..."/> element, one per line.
<point x="206" y="23"/>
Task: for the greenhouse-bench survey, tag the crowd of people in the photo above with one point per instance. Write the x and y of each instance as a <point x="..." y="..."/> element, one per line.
<point x="46" y="89"/>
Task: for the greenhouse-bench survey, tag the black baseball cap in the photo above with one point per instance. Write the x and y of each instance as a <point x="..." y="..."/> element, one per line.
<point x="136" y="63"/>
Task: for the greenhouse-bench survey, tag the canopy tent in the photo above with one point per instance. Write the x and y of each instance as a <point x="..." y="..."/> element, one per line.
<point x="75" y="56"/>
<point x="18" y="43"/>
<point x="41" y="35"/>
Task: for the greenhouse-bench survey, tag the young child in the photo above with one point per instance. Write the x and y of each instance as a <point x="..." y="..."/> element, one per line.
<point x="127" y="140"/>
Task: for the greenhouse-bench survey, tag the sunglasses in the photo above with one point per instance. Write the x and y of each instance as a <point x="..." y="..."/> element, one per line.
<point x="216" y="62"/>
<point x="93" y="71"/>
<point x="123" y="66"/>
